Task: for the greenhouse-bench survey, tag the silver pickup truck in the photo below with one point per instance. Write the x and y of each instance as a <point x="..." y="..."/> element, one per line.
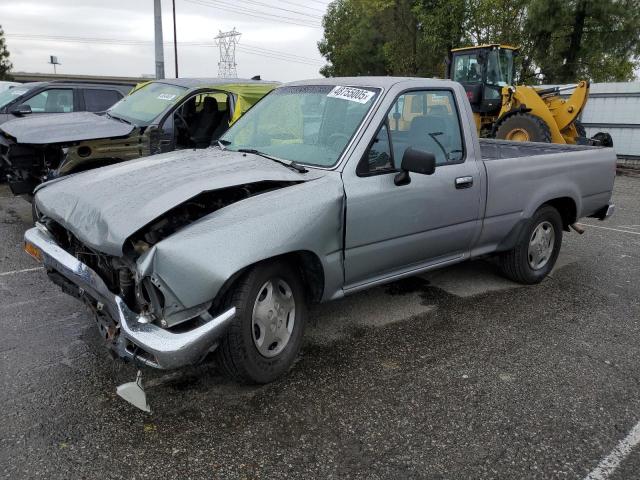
<point x="324" y="188"/>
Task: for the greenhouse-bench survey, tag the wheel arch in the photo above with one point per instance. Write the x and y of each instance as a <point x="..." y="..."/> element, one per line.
<point x="306" y="262"/>
<point x="566" y="207"/>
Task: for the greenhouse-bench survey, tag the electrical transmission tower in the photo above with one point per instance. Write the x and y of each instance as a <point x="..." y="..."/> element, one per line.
<point x="227" y="42"/>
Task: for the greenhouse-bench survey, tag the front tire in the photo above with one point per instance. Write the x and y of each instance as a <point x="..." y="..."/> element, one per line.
<point x="266" y="334"/>
<point x="536" y="252"/>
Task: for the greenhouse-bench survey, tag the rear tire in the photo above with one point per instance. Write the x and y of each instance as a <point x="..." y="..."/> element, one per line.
<point x="537" y="249"/>
<point x="259" y="346"/>
<point x="523" y="127"/>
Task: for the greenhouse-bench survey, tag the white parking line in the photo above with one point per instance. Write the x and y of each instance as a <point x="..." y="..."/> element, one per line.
<point x="13" y="272"/>
<point x="609" y="228"/>
<point x="608" y="464"/>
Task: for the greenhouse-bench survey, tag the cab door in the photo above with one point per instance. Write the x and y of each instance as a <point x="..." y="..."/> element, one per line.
<point x="391" y="229"/>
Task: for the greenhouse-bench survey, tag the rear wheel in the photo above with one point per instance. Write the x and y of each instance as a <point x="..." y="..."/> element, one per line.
<point x="266" y="334"/>
<point x="537" y="249"/>
<point x="523" y="127"/>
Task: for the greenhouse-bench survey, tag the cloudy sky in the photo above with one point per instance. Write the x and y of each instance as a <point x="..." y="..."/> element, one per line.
<point x="115" y="37"/>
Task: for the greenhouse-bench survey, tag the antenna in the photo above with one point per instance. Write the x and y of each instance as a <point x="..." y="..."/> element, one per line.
<point x="227" y="42"/>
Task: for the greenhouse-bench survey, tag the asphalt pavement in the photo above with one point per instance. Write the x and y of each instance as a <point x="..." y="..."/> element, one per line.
<point x="457" y="374"/>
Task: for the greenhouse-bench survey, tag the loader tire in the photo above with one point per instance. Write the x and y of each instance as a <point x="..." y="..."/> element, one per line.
<point x="523" y="127"/>
<point x="270" y="303"/>
<point x="537" y="249"/>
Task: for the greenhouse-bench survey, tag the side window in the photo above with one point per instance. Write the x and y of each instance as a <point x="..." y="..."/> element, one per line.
<point x="96" y="100"/>
<point x="435" y="129"/>
<point x="467" y="68"/>
<point x="378" y="157"/>
<point x="54" y="100"/>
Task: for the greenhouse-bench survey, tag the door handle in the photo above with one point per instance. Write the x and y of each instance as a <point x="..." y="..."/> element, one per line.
<point x="464" y="182"/>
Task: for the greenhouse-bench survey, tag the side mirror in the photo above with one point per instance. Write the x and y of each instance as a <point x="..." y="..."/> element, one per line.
<point x="20" y="110"/>
<point x="416" y="161"/>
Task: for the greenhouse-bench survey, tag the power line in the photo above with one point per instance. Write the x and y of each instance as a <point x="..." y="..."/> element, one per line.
<point x="224" y="5"/>
<point x="297" y="12"/>
<point x="304" y="6"/>
<point x="246" y="48"/>
<point x="276" y="56"/>
<point x="218" y="4"/>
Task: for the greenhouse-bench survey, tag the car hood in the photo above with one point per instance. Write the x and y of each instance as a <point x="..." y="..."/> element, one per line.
<point x="105" y="206"/>
<point x="42" y="129"/>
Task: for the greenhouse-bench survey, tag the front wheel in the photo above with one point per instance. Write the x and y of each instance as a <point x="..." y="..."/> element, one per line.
<point x="265" y="336"/>
<point x="537" y="249"/>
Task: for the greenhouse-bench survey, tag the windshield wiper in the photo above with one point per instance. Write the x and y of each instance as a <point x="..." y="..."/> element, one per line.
<point x="286" y="163"/>
<point x="118" y="118"/>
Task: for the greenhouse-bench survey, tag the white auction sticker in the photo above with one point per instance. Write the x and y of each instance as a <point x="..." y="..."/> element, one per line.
<point x="352" y="94"/>
<point x="166" y="96"/>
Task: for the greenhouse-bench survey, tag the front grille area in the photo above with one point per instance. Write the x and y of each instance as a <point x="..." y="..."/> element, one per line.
<point x="102" y="264"/>
<point x="117" y="273"/>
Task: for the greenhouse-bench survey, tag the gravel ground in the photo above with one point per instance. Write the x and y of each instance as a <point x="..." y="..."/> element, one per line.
<point x="456" y="374"/>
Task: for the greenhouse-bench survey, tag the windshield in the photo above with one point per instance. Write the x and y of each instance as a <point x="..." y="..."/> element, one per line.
<point x="304" y="124"/>
<point x="145" y="105"/>
<point x="8" y="96"/>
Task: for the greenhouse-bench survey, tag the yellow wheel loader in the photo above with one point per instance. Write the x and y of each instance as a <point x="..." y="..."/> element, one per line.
<point x="519" y="113"/>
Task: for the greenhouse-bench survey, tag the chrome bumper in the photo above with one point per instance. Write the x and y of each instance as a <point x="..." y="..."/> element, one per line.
<point x="162" y="348"/>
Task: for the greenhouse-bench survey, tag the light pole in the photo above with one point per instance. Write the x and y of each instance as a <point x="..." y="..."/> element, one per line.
<point x="175" y="39"/>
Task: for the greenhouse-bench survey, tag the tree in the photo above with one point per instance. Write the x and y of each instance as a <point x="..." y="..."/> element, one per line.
<point x="352" y="42"/>
<point x="561" y="41"/>
<point x="5" y="64"/>
<point x="575" y="39"/>
<point x="389" y="37"/>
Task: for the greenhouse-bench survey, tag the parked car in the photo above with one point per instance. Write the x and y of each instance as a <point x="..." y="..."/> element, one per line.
<point x="22" y="99"/>
<point x="222" y="250"/>
<point x="158" y="116"/>
<point x="58" y="97"/>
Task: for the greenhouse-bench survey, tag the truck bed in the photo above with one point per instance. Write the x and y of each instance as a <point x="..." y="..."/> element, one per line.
<point x="529" y="174"/>
<point x="498" y="149"/>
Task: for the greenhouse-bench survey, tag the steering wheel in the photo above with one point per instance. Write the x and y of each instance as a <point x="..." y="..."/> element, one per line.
<point x="334" y="140"/>
<point x="184" y="122"/>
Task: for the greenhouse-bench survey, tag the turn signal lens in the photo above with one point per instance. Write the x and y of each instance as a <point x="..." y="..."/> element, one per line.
<point x="34" y="251"/>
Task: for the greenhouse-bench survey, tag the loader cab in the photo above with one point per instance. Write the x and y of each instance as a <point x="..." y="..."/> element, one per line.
<point x="483" y="71"/>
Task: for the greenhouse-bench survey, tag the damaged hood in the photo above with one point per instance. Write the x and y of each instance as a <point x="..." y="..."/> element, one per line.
<point x="104" y="207"/>
<point x="42" y="129"/>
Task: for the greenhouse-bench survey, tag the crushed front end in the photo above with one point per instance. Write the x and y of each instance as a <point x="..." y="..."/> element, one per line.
<point x="27" y="166"/>
<point x="128" y="310"/>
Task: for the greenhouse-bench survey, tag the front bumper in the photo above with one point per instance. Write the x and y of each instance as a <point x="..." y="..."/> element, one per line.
<point x="160" y="348"/>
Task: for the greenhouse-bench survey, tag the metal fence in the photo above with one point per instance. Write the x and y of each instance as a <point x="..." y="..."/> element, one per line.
<point x="615" y="108"/>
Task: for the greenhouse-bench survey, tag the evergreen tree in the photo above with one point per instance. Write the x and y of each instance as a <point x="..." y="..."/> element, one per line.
<point x="5" y="64"/>
<point x="562" y="41"/>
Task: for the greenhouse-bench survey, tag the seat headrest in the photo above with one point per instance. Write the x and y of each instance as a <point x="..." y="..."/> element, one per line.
<point x="438" y="110"/>
<point x="210" y="105"/>
<point x="424" y="125"/>
<point x="190" y="106"/>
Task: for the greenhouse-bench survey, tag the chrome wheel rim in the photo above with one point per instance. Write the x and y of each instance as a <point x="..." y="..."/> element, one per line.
<point x="273" y="317"/>
<point x="541" y="245"/>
